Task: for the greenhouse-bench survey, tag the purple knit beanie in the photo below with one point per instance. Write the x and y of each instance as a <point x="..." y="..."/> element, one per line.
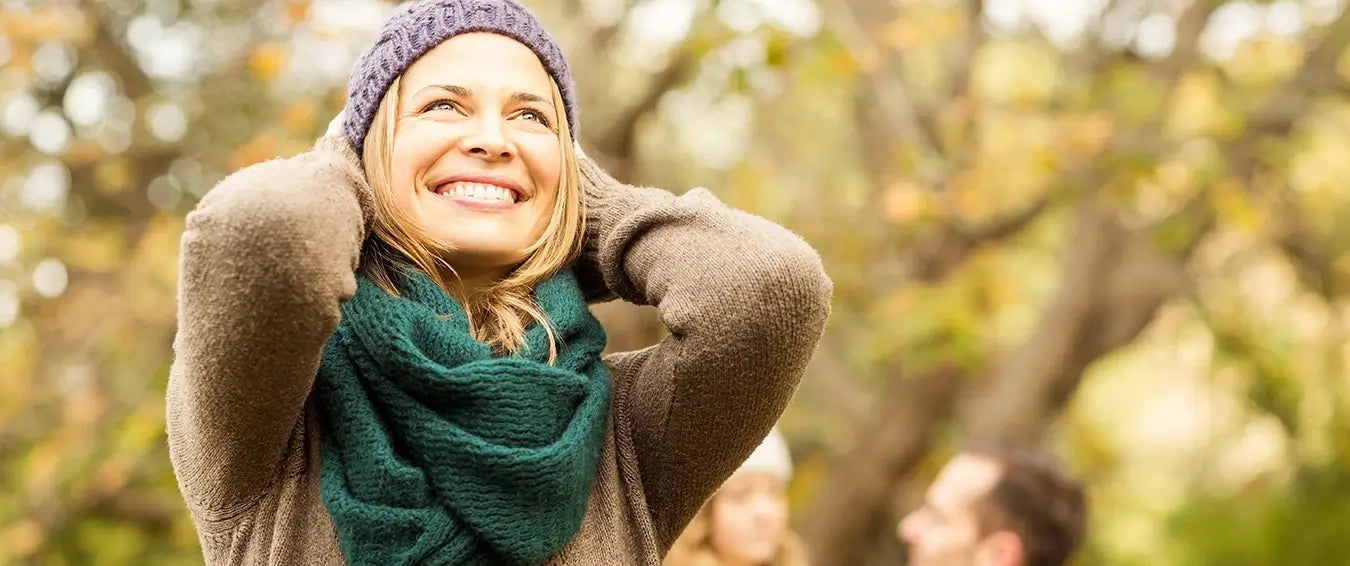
<point x="417" y="27"/>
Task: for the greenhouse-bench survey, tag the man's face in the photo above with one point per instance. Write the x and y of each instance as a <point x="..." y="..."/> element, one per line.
<point x="945" y="531"/>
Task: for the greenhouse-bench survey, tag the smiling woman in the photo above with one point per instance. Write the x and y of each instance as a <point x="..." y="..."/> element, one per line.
<point x="385" y="353"/>
<point x="475" y="168"/>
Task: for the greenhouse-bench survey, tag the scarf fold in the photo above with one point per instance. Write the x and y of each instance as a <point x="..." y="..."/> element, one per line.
<point x="435" y="451"/>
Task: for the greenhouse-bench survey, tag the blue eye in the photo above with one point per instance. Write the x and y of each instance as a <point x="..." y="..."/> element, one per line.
<point x="441" y="105"/>
<point x="536" y="116"/>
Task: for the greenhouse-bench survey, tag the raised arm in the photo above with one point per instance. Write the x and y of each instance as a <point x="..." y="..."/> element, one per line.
<point x="266" y="258"/>
<point x="745" y="301"/>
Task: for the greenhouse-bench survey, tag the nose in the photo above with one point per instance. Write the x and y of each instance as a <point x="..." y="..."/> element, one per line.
<point x="488" y="141"/>
<point x="908" y="529"/>
<point x="764" y="509"/>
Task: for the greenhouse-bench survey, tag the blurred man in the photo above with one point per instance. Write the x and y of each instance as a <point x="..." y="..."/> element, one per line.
<point x="996" y="506"/>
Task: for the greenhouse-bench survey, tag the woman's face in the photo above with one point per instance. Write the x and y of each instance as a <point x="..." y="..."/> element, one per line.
<point x="476" y="157"/>
<point x="749" y="518"/>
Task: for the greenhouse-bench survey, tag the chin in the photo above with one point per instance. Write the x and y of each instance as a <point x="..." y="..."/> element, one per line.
<point x="760" y="553"/>
<point x="483" y="236"/>
<point x="484" y="249"/>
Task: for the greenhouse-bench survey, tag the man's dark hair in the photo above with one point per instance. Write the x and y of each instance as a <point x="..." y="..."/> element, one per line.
<point x="1036" y="499"/>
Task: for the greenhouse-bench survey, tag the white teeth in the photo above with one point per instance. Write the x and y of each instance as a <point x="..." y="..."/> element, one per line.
<point x="479" y="191"/>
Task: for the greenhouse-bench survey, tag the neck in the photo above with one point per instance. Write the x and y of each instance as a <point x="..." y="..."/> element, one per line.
<point x="734" y="561"/>
<point x="465" y="283"/>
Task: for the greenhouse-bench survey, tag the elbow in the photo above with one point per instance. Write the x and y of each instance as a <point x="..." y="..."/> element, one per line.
<point x="278" y="223"/>
<point x="792" y="293"/>
<point x="269" y="198"/>
<point x="805" y="287"/>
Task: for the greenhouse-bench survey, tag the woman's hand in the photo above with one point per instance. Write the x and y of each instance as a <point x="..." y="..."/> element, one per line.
<point x="596" y="183"/>
<point x="334" y="140"/>
<point x="603" y="203"/>
<point x="335" y="126"/>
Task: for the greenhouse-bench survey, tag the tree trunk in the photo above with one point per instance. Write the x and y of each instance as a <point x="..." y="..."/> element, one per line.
<point x="844" y="519"/>
<point x="1113" y="284"/>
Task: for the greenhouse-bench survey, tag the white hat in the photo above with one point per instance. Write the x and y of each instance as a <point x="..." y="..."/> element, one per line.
<point x="772" y="457"/>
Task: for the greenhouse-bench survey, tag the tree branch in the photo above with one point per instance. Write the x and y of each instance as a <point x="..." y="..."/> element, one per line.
<point x="885" y="95"/>
<point x="1280" y="110"/>
<point x="111" y="53"/>
<point x="619" y="140"/>
<point x="957" y="92"/>
<point x="1114" y="281"/>
<point x="947" y="247"/>
<point x="1314" y="263"/>
<point x="1190" y="26"/>
<point x="894" y="440"/>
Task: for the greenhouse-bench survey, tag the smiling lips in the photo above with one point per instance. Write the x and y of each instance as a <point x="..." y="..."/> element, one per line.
<point x="491" y="193"/>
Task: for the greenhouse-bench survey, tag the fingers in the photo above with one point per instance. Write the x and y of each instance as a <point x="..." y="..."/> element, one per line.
<point x="335" y="126"/>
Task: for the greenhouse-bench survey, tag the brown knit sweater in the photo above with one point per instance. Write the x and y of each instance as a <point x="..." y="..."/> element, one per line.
<point x="269" y="254"/>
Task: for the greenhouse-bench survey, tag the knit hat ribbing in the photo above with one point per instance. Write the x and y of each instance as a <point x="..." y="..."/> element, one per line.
<point x="417" y="27"/>
<point x="770" y="457"/>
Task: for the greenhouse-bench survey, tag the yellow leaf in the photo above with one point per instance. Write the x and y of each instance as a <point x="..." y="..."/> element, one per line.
<point x="267" y="60"/>
<point x="297" y="11"/>
<point x="21" y="539"/>
<point x="43" y="460"/>
<point x="84" y="407"/>
<point x="1195" y="104"/>
<point x="1343" y="65"/>
<point x="255" y="150"/>
<point x="850" y="64"/>
<point x="1175" y="178"/>
<point x="904" y="201"/>
<point x="20" y="59"/>
<point x="47" y="23"/>
<point x="84" y="151"/>
<point x="113" y="175"/>
<point x="1015" y="73"/>
<point x="299" y="117"/>
<point x="1233" y="206"/>
<point x="972" y="197"/>
<point x="920" y="26"/>
<point x="96" y="248"/>
<point x="113" y="474"/>
<point x="1341" y="271"/>
<point x="1089" y="134"/>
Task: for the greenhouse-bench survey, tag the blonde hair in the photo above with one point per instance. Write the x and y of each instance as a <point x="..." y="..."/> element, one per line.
<point x="499" y="313"/>
<point x="694" y="547"/>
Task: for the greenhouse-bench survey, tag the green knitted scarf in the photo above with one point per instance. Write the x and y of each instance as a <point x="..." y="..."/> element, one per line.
<point x="436" y="451"/>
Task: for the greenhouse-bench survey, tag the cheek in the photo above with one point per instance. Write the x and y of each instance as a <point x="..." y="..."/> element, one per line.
<point x="727" y="524"/>
<point x="414" y="153"/>
<point x="777" y="512"/>
<point x="737" y="532"/>
<point x="543" y="160"/>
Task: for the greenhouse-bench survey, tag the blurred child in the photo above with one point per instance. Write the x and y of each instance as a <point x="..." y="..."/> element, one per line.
<point x="746" y="522"/>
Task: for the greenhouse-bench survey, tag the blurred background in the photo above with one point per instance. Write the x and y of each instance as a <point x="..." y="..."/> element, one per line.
<point x="1107" y="226"/>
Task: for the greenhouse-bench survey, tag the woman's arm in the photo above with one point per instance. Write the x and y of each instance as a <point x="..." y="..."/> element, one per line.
<point x="266" y="258"/>
<point x="745" y="301"/>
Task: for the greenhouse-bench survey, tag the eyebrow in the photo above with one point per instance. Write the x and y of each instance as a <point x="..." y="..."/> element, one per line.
<point x="517" y="97"/>
<point x="527" y="97"/>
<point x="452" y="89"/>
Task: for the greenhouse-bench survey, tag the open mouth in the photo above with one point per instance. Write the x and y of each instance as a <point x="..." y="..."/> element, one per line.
<point x="482" y="192"/>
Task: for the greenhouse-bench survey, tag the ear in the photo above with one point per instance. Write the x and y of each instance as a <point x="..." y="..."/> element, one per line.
<point x="1003" y="548"/>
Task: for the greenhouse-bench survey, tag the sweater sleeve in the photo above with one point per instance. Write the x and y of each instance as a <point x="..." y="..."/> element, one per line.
<point x="265" y="260"/>
<point x="745" y="302"/>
